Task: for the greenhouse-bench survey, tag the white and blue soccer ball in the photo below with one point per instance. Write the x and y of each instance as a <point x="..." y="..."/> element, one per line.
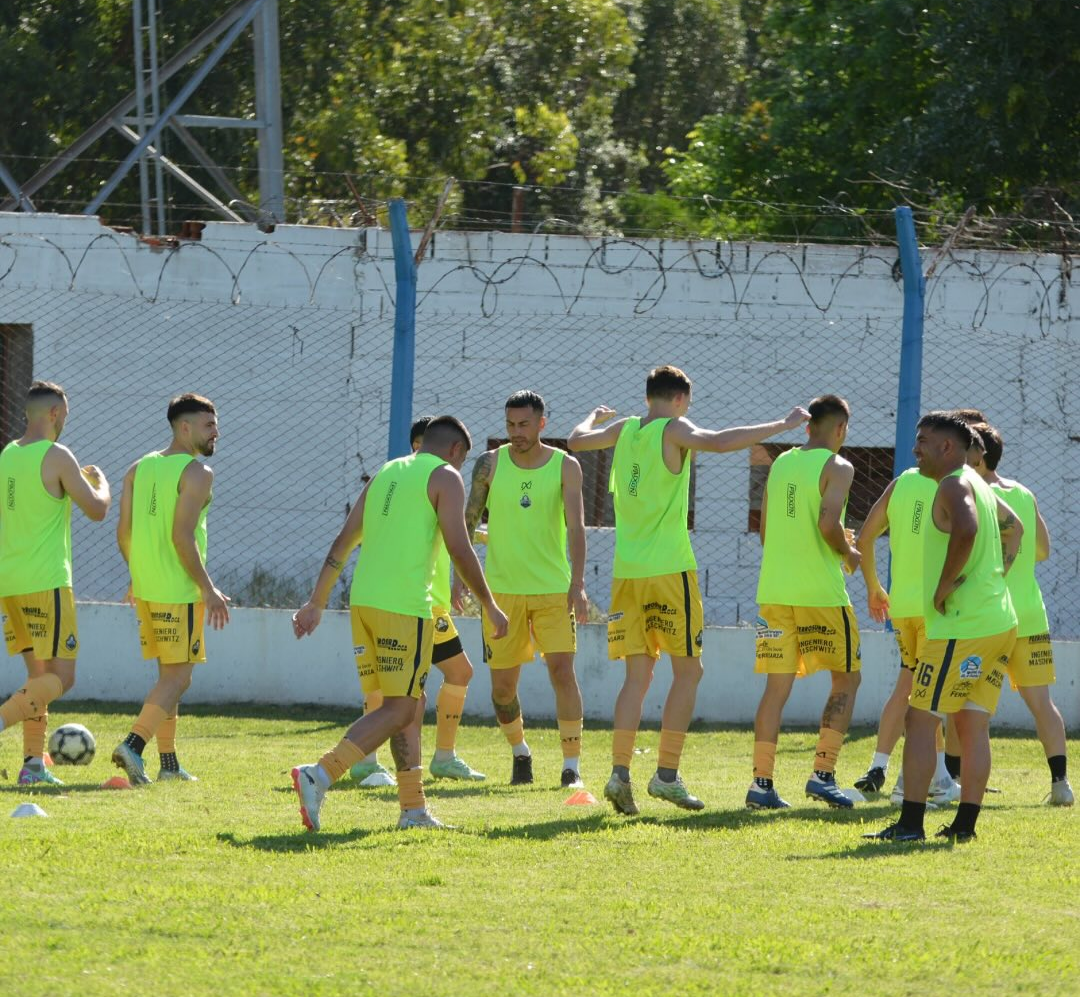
<point x="72" y="744"/>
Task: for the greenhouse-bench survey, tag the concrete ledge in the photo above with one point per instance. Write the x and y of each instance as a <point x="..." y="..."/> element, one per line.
<point x="257" y="659"/>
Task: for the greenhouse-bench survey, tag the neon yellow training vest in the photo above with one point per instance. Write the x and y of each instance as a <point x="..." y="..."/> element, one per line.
<point x="798" y="568"/>
<point x="440" y="579"/>
<point x="397" y="555"/>
<point x="909" y="506"/>
<point x="981" y="606"/>
<point x="156" y="572"/>
<point x="35" y="527"/>
<point x="651" y="504"/>
<point x="526" y="548"/>
<point x="1023" y="585"/>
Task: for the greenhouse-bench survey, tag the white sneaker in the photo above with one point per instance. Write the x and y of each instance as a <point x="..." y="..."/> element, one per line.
<point x="426" y="820"/>
<point x="310" y="789"/>
<point x="1061" y="794"/>
<point x="896" y="797"/>
<point x="945" y="792"/>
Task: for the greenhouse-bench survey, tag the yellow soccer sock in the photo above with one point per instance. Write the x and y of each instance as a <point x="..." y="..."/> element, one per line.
<point x="940" y="739"/>
<point x="32" y="699"/>
<point x="514" y="732"/>
<point x="410" y="789"/>
<point x="337" y="762"/>
<point x="671" y="747"/>
<point x="570" y="738"/>
<point x="828" y="749"/>
<point x="448" y="707"/>
<point x="33" y="735"/>
<point x="166" y="735"/>
<point x="764" y="759"/>
<point x="622" y="747"/>
<point x="150" y="718"/>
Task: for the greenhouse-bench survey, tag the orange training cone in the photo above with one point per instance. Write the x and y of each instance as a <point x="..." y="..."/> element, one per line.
<point x="116" y="782"/>
<point x="582" y="798"/>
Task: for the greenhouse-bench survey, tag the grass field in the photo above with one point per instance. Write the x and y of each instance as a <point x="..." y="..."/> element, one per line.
<point x="213" y="888"/>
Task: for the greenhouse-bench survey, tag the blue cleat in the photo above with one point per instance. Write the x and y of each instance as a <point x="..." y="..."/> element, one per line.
<point x="827" y="792"/>
<point x="898" y="833"/>
<point x="764" y="799"/>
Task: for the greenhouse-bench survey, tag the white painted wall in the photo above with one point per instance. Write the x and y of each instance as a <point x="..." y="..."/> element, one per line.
<point x="256" y="659"/>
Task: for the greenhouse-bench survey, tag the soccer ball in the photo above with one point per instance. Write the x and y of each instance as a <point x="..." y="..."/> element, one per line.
<point x="72" y="744"/>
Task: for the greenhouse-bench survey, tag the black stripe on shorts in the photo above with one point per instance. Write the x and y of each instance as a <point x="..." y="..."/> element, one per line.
<point x="56" y="623"/>
<point x="847" y="637"/>
<point x="945" y="662"/>
<point x="446" y="650"/>
<point x="190" y="625"/>
<point x="686" y="610"/>
<point x="416" y="656"/>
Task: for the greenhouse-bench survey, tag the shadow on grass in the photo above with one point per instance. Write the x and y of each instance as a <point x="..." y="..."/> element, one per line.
<point x="876" y="850"/>
<point x="302" y="841"/>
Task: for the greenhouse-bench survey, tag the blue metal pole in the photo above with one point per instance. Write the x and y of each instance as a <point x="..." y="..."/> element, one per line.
<point x="401" y="384"/>
<point x="909" y="393"/>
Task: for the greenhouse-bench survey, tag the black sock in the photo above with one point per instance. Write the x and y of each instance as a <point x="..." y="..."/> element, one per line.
<point x="952" y="763"/>
<point x="169" y="762"/>
<point x="1057" y="767"/>
<point x="762" y="783"/>
<point x="667" y="775"/>
<point x="622" y="771"/>
<point x="135" y="742"/>
<point x="966" y="815"/>
<point x="911" y="815"/>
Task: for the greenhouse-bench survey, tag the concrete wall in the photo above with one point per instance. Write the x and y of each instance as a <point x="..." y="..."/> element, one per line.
<point x="256" y="658"/>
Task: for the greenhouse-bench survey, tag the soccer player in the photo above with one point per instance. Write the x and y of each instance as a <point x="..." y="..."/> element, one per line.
<point x="162" y="536"/>
<point x="805" y="621"/>
<point x="532" y="492"/>
<point x="970" y="626"/>
<point x="1031" y="664"/>
<point x="655" y="602"/>
<point x="41" y="479"/>
<point x="396" y="521"/>
<point x="902" y="510"/>
<point x="449" y="657"/>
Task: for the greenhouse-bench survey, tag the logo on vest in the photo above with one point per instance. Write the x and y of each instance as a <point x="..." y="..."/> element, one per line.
<point x="389" y="496"/>
<point x="791" y="499"/>
<point x="11" y="493"/>
<point x="525" y="501"/>
<point x="971" y="667"/>
<point x="917" y="515"/>
<point x="635" y="477"/>
<point x="152" y="509"/>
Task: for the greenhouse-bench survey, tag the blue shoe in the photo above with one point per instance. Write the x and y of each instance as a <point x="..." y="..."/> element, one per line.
<point x="764" y="799"/>
<point x="124" y="757"/>
<point x="896" y="832"/>
<point x="827" y="792"/>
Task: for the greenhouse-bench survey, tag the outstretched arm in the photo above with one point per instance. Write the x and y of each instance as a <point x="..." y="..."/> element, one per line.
<point x="690" y="437"/>
<point x="877" y="522"/>
<point x="587" y="435"/>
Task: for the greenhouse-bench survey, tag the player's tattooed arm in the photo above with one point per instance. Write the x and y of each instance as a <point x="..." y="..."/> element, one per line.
<point x="1012" y="532"/>
<point x="478" y="490"/>
<point x="333" y="562"/>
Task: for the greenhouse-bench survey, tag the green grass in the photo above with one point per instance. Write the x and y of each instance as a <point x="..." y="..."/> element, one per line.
<point x="212" y="888"/>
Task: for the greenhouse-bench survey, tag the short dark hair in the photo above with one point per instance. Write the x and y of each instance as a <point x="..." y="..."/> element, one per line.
<point x="188" y="403"/>
<point x="953" y="425"/>
<point x="526" y="399"/>
<point x="992" y="444"/>
<point x="446" y="429"/>
<point x="416" y="430"/>
<point x="970" y="415"/>
<point x="826" y="406"/>
<point x="45" y="389"/>
<point x="666" y="382"/>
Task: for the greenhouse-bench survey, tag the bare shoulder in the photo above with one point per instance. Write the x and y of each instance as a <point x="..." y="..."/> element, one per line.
<point x="839" y="468"/>
<point x="571" y="466"/>
<point x="197" y="474"/>
<point x="59" y="456"/>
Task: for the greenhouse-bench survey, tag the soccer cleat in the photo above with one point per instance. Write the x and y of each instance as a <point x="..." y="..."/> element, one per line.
<point x="311" y="792"/>
<point x="945" y="792"/>
<point x="425" y="821"/>
<point x="37" y="775"/>
<point x="620" y="795"/>
<point x="362" y="771"/>
<point x="764" y="799"/>
<point x="872" y="781"/>
<point x="455" y="768"/>
<point x="1061" y="794"/>
<point x="522" y="773"/>
<point x="960" y="837"/>
<point x="180" y="775"/>
<point x="571" y="779"/>
<point x="896" y="832"/>
<point x="126" y="758"/>
<point x="674" y="792"/>
<point x="827" y="792"/>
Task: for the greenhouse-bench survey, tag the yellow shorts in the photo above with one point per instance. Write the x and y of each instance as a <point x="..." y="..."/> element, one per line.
<point x="952" y="674"/>
<point x="172" y="632"/>
<point x="393" y="651"/>
<point x="446" y="641"/>
<point x="1032" y="662"/>
<point x="537" y="623"/>
<point x="43" y="623"/>
<point x="656" y="615"/>
<point x="801" y="640"/>
<point x="910" y="632"/>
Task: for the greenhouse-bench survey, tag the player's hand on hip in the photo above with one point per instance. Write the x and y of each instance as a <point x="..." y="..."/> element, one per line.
<point x="796" y="417"/>
<point x="577" y="602"/>
<point x="217" y="608"/>
<point x="306" y="619"/>
<point x="499" y="622"/>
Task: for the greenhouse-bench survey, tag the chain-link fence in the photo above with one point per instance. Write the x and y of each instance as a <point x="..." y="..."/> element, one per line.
<point x="302" y="378"/>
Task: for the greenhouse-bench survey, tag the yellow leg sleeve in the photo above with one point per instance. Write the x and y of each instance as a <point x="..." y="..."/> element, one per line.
<point x="32" y="699"/>
<point x="410" y="789"/>
<point x="764" y="759"/>
<point x="448" y="708"/>
<point x="570" y="738"/>
<point x="338" y="761"/>
<point x="622" y="747"/>
<point x="671" y="747"/>
<point x="828" y="749"/>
